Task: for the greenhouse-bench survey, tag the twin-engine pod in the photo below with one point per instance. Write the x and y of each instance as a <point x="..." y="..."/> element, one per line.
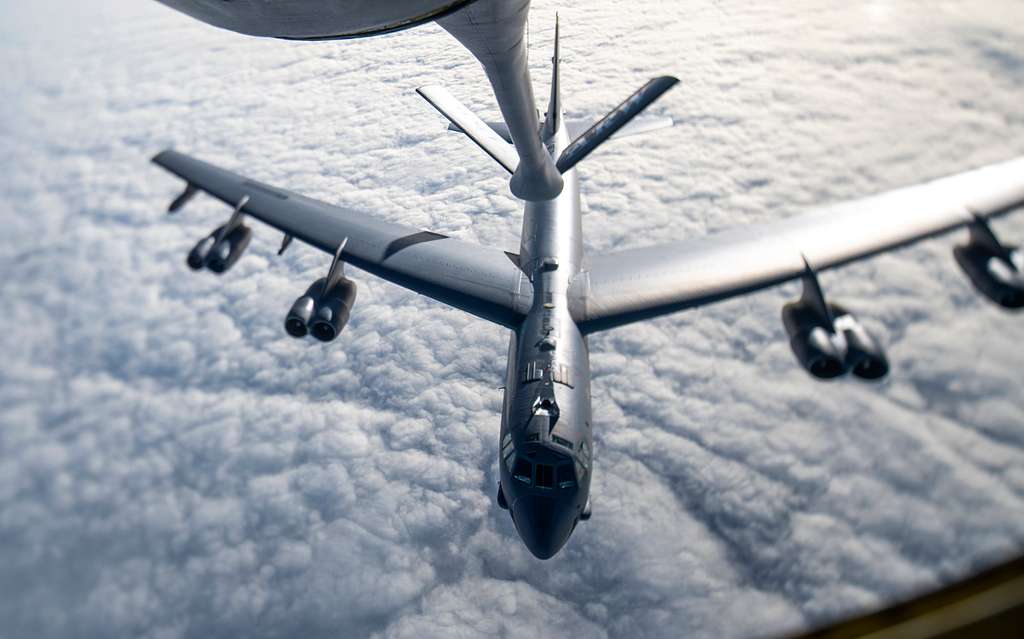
<point x="827" y="340"/>
<point x="819" y="349"/>
<point x="220" y="250"/>
<point x="996" y="271"/>
<point x="321" y="311"/>
<point x="325" y="307"/>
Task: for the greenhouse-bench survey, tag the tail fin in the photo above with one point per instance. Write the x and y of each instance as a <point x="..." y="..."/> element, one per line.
<point x="470" y="124"/>
<point x="552" y="120"/>
<point x="617" y="118"/>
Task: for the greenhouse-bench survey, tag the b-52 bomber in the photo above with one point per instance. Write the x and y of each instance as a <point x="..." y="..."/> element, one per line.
<point x="551" y="294"/>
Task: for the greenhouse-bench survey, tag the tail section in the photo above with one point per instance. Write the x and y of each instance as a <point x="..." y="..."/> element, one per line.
<point x="616" y="119"/>
<point x="469" y="123"/>
<point x="493" y="31"/>
<point x="515" y="144"/>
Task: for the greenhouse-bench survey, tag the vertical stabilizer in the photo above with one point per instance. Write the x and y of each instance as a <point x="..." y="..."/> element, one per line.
<point x="493" y="31"/>
<point x="553" y="120"/>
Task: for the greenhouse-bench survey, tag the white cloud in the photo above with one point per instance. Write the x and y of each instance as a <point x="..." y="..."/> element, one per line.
<point x="174" y="465"/>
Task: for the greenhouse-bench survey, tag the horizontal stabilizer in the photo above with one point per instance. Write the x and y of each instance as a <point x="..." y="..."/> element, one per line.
<point x="498" y="127"/>
<point x="475" y="128"/>
<point x="637" y="126"/>
<point x="616" y="120"/>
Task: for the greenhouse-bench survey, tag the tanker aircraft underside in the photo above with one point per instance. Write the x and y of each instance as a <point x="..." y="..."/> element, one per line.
<point x="551" y="295"/>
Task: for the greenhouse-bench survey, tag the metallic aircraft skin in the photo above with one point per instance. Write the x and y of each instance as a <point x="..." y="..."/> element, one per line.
<point x="551" y="299"/>
<point x="545" y="424"/>
<point x="315" y="19"/>
<point x="492" y="30"/>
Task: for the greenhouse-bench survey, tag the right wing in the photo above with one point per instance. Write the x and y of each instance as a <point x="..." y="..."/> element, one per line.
<point x="482" y="281"/>
<point x="638" y="284"/>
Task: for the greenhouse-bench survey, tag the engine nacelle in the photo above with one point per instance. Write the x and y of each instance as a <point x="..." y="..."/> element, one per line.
<point x="827" y="352"/>
<point x="322" y="314"/>
<point x="225" y="253"/>
<point x="821" y="352"/>
<point x="332" y="311"/>
<point x="220" y="256"/>
<point x="865" y="358"/>
<point x="827" y="340"/>
<point x="296" y="323"/>
<point x="197" y="256"/>
<point x="1000" y="278"/>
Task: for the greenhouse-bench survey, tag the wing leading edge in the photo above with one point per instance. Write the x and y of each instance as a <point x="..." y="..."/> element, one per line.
<point x="482" y="281"/>
<point x="638" y="284"/>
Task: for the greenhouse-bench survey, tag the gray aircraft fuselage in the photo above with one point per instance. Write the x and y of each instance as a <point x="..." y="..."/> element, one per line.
<point x="545" y="443"/>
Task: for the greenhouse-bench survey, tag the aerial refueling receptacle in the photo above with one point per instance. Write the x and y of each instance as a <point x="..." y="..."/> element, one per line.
<point x="492" y="30"/>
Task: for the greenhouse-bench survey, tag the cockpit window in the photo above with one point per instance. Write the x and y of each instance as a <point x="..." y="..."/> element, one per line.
<point x="522" y="470"/>
<point x="566" y="478"/>
<point x="545" y="476"/>
<point x="508" y="451"/>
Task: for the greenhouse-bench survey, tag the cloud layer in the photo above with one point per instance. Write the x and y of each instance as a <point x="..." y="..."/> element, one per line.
<point x="172" y="464"/>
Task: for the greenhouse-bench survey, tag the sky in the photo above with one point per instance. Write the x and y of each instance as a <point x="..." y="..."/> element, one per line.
<point x="173" y="465"/>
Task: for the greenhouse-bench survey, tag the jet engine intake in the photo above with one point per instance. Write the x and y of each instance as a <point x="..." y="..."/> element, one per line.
<point x="296" y="323"/>
<point x="226" y="252"/>
<point x="197" y="256"/>
<point x="324" y="314"/>
<point x="865" y="358"/>
<point x="1000" y="278"/>
<point x="826" y="339"/>
<point x="333" y="310"/>
<point x="220" y="255"/>
<point x="820" y="351"/>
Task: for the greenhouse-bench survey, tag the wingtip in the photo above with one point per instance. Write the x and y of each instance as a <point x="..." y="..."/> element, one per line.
<point x="159" y="156"/>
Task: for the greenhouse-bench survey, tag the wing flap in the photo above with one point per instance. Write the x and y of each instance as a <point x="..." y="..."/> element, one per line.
<point x="638" y="284"/>
<point x="478" y="280"/>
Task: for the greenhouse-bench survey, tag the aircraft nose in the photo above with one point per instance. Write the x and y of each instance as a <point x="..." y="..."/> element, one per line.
<point x="543" y="528"/>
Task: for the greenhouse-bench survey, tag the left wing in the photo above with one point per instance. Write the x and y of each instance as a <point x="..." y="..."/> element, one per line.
<point x="482" y="281"/>
<point x="638" y="284"/>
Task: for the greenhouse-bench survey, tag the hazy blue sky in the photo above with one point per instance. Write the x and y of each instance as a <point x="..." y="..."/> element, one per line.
<point x="172" y="464"/>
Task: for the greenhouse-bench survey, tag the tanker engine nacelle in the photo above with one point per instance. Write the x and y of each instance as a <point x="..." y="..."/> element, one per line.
<point x="321" y="312"/>
<point x="996" y="271"/>
<point x="827" y="340"/>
